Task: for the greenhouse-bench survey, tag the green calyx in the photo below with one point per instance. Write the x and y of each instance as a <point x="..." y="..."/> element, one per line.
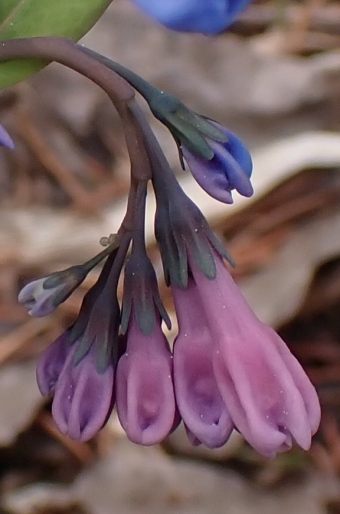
<point x="184" y="237"/>
<point x="188" y="128"/>
<point x="141" y="296"/>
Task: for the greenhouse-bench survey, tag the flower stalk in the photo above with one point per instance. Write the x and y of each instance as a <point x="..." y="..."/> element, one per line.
<point x="217" y="158"/>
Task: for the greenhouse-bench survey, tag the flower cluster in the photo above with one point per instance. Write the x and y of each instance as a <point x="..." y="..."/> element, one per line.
<point x="230" y="370"/>
<point x="226" y="370"/>
<point x="206" y="16"/>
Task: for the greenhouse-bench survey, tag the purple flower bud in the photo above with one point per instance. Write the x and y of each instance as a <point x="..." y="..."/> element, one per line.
<point x="144" y="388"/>
<point x="269" y="397"/>
<point x="230" y="168"/>
<point x="42" y="296"/>
<point x="206" y="16"/>
<point x="83" y="397"/>
<point x="79" y="366"/>
<point x="5" y="139"/>
<point x="198" y="399"/>
<point x="51" y="363"/>
<point x="193" y="439"/>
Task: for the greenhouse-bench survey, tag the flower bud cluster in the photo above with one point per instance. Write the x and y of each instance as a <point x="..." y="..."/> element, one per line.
<point x="227" y="370"/>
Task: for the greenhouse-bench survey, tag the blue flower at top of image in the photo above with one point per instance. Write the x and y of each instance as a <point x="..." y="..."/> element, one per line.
<point x="206" y="16"/>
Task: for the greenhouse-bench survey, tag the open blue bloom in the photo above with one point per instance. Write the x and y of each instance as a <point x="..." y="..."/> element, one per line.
<point x="206" y="16"/>
<point x="230" y="168"/>
<point x="5" y="139"/>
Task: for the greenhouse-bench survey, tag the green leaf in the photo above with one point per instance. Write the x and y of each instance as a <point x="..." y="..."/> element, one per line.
<point x="29" y="18"/>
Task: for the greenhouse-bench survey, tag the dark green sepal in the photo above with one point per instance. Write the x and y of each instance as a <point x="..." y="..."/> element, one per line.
<point x="83" y="348"/>
<point x="188" y="224"/>
<point x="189" y="137"/>
<point x="183" y="233"/>
<point x="218" y="246"/>
<point x="141" y="296"/>
<point x="204" y="125"/>
<point x="101" y="332"/>
<point x="189" y="128"/>
<point x="173" y="250"/>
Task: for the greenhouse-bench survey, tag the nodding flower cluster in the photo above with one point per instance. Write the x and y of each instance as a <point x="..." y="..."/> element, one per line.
<point x="227" y="370"/>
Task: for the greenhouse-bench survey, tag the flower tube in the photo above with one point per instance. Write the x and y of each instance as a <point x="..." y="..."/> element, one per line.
<point x="270" y="398"/>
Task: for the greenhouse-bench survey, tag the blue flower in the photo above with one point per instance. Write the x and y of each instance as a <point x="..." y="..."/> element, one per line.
<point x="5" y="139"/>
<point x="217" y="158"/>
<point x="206" y="16"/>
<point x="230" y="168"/>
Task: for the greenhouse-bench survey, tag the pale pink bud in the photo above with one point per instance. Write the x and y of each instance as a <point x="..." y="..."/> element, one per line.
<point x="268" y="395"/>
<point x="198" y="398"/>
<point x="144" y="389"/>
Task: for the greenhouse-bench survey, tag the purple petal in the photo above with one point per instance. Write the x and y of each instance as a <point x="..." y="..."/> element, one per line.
<point x="269" y="397"/>
<point x="209" y="176"/>
<point x="192" y="438"/>
<point x="235" y="146"/>
<point x="224" y="161"/>
<point x="5" y="139"/>
<point x="198" y="398"/>
<point x="229" y="169"/>
<point x="37" y="300"/>
<point x="51" y="364"/>
<point x="264" y="403"/>
<point x="302" y="382"/>
<point x="145" y="396"/>
<point x="83" y="397"/>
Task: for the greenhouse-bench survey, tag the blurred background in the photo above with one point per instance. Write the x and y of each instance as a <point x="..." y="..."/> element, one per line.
<point x="274" y="79"/>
